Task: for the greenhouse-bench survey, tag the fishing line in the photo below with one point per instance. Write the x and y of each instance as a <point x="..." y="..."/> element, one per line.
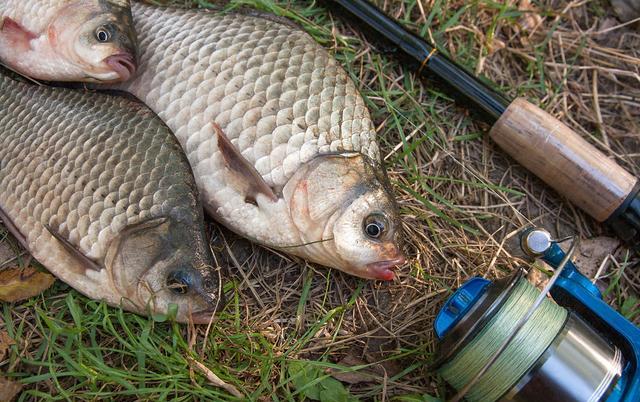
<point x="307" y="244"/>
<point x="540" y="299"/>
<point x="540" y="142"/>
<point x="450" y="154"/>
<point x="555" y="351"/>
<point x="535" y="336"/>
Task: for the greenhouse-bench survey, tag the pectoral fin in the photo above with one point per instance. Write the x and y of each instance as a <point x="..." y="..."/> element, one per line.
<point x="71" y="249"/>
<point x="250" y="180"/>
<point x="16" y="34"/>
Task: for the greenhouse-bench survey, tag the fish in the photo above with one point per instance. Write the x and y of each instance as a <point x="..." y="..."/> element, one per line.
<point x="68" y="40"/>
<point x="98" y="190"/>
<point x="281" y="142"/>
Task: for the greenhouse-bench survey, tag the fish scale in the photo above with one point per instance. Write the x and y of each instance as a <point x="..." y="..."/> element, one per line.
<point x="281" y="144"/>
<point x="75" y="184"/>
<point x="80" y="169"/>
<point x="279" y="97"/>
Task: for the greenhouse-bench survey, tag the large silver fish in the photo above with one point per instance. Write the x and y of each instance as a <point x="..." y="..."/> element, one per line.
<point x="98" y="190"/>
<point x="68" y="40"/>
<point x="281" y="143"/>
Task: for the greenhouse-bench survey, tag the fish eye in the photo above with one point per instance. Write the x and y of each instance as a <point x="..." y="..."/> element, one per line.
<point x="179" y="282"/>
<point x="375" y="226"/>
<point x="102" y="34"/>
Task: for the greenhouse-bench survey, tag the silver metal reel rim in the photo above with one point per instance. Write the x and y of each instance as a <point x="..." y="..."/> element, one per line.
<point x="541" y="297"/>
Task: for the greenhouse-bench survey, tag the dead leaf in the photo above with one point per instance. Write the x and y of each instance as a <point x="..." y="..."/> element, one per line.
<point x="5" y="343"/>
<point x="371" y="373"/>
<point x="213" y="378"/>
<point x="18" y="284"/>
<point x="592" y="252"/>
<point x="531" y="19"/>
<point x="9" y="389"/>
<point x="352" y="377"/>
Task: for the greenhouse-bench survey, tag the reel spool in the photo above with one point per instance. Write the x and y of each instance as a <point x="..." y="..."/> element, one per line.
<point x="505" y="341"/>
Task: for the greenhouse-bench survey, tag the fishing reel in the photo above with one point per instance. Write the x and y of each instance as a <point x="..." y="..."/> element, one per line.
<point x="505" y="340"/>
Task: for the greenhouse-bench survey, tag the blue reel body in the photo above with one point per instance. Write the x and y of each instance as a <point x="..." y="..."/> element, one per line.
<point x="576" y="293"/>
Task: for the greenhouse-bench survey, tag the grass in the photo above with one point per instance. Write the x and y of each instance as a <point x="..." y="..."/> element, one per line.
<point x="290" y="329"/>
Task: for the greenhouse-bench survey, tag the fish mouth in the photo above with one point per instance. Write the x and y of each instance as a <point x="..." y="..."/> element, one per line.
<point x="384" y="270"/>
<point x="203" y="316"/>
<point x="207" y="315"/>
<point x="123" y="64"/>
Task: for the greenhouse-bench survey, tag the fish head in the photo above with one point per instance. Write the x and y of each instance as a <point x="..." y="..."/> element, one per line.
<point x="163" y="262"/>
<point x="345" y="213"/>
<point x="97" y="40"/>
<point x="366" y="236"/>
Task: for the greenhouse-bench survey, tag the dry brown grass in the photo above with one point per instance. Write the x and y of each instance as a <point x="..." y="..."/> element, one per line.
<point x="572" y="56"/>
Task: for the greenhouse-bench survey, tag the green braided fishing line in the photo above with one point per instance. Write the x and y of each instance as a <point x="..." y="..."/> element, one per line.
<point x="523" y="351"/>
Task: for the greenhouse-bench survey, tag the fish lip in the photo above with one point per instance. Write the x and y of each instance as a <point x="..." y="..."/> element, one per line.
<point x="203" y="316"/>
<point x="123" y="64"/>
<point x="208" y="315"/>
<point x="384" y="270"/>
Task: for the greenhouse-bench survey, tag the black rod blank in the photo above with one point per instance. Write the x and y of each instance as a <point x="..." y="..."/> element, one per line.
<point x="490" y="102"/>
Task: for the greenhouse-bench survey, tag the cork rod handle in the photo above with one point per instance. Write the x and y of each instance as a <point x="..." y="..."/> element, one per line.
<point x="563" y="159"/>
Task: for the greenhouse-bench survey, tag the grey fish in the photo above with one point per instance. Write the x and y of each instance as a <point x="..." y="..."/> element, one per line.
<point x="280" y="140"/>
<point x="98" y="190"/>
<point x="68" y="40"/>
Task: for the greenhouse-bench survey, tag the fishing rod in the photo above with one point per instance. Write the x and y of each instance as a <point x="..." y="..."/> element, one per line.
<point x="538" y="141"/>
